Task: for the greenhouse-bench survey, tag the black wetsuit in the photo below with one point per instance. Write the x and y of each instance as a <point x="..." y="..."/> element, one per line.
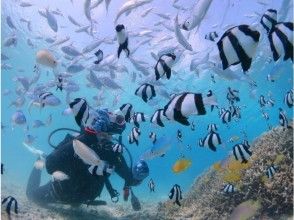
<point x="82" y="186"/>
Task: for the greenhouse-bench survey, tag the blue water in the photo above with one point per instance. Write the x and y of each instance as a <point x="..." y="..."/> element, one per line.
<point x="18" y="161"/>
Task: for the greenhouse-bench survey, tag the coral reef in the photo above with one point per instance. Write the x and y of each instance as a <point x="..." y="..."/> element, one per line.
<point x="256" y="194"/>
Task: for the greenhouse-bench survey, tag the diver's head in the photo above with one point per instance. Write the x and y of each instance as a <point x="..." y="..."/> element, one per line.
<point x="117" y="123"/>
<point x="140" y="170"/>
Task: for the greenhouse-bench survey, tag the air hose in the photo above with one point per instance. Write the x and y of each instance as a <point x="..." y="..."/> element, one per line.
<point x="56" y="130"/>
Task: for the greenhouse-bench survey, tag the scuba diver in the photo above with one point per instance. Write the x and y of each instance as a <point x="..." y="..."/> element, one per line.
<point x="83" y="185"/>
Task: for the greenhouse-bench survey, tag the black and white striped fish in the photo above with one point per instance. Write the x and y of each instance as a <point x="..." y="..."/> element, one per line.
<point x="262" y="101"/>
<point x="288" y="99"/>
<point x="211" y="140"/>
<point x="211" y="127"/>
<point x="238" y="45"/>
<point x="281" y="40"/>
<point x="270" y="171"/>
<point x="200" y="142"/>
<point x="164" y="65"/>
<point x="47" y="98"/>
<point x="211" y="36"/>
<point x="209" y="94"/>
<point x="192" y="126"/>
<point x="270" y="102"/>
<point x="9" y="202"/>
<point x="235" y="111"/>
<point x="246" y="143"/>
<point x="152" y="136"/>
<point x="158" y="117"/>
<point x="146" y="92"/>
<point x="241" y="153"/>
<point x="233" y="95"/>
<point x="269" y="19"/>
<point x="151" y="185"/>
<point x="175" y="194"/>
<point x="101" y="169"/>
<point x="226" y="116"/>
<point x="179" y="135"/>
<point x="127" y="110"/>
<point x="229" y="188"/>
<point x="181" y="106"/>
<point x="283" y="119"/>
<point x="59" y="83"/>
<point x="137" y="118"/>
<point x="265" y="116"/>
<point x="80" y="110"/>
<point x="117" y="148"/>
<point x="134" y="136"/>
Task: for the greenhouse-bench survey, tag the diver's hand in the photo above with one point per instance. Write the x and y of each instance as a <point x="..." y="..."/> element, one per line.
<point x="126" y="193"/>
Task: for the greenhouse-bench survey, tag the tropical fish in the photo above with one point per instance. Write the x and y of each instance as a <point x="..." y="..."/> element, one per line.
<point x="241" y="50"/>
<point x="211" y="36"/>
<point x="241" y="153"/>
<point x="271" y="170"/>
<point x="151" y="185"/>
<point x="134" y="136"/>
<point x="9" y="202"/>
<point x="229" y="188"/>
<point x="158" y="149"/>
<point x="45" y="58"/>
<point x="146" y="91"/>
<point x="59" y="176"/>
<point x="269" y="19"/>
<point x="283" y="119"/>
<point x="181" y="165"/>
<point x="180" y="37"/>
<point x="163" y="65"/>
<point x="175" y="194"/>
<point x="117" y="148"/>
<point x="211" y="140"/>
<point x="281" y="40"/>
<point x="158" y="117"/>
<point x="197" y="14"/>
<point x="122" y="38"/>
<point x="86" y="154"/>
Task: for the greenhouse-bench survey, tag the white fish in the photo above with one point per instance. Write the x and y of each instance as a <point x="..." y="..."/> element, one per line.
<point x="73" y="21"/>
<point x="85" y="153"/>
<point x="60" y="41"/>
<point x="180" y="37"/>
<point x="25" y="4"/>
<point x="51" y="20"/>
<point x="92" y="46"/>
<point x="130" y="5"/>
<point x="39" y="164"/>
<point x="59" y="176"/>
<point x="87" y="9"/>
<point x="96" y="4"/>
<point x="45" y="58"/>
<point x="67" y="111"/>
<point x="10" y="23"/>
<point x="33" y="150"/>
<point x="197" y="14"/>
<point x="10" y="41"/>
<point x="146" y="12"/>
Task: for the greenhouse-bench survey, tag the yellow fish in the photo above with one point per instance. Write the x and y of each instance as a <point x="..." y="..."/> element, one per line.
<point x="181" y="165"/>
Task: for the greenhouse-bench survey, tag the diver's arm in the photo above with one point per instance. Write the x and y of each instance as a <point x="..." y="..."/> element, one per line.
<point x="122" y="169"/>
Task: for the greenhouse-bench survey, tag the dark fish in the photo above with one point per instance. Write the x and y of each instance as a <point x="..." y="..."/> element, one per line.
<point x="135" y="202"/>
<point x="109" y="83"/>
<point x="99" y="55"/>
<point x="2" y="168"/>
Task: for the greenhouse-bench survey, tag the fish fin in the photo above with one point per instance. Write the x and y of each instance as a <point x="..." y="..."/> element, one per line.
<point x="120" y="48"/>
<point x="180" y="118"/>
<point x="178" y="203"/>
